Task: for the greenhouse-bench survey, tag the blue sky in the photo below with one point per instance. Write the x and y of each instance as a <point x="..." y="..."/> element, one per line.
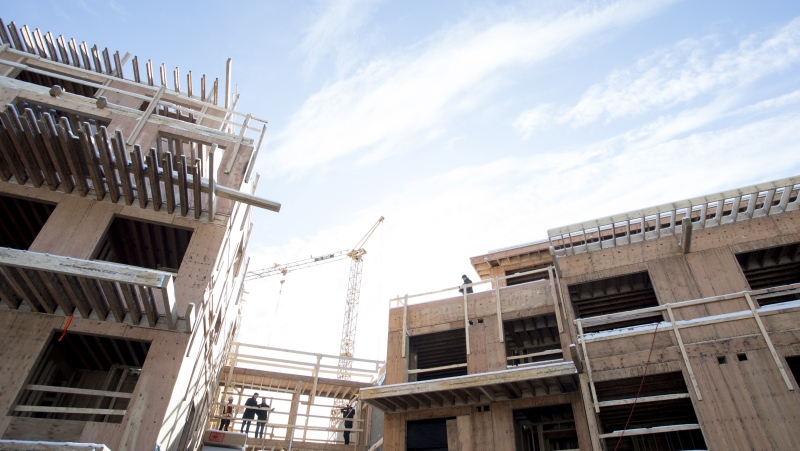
<point x="469" y="125"/>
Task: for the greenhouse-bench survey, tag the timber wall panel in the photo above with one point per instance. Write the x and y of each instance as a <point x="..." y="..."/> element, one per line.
<point x="726" y="414"/>
<point x="75" y="227"/>
<point x="482" y="430"/>
<point x="396" y="366"/>
<point x="23" y="337"/>
<point x="44" y="430"/>
<point x="777" y="407"/>
<point x="673" y="282"/>
<point x="394" y="431"/>
<point x="503" y="427"/>
<point x="476" y="359"/>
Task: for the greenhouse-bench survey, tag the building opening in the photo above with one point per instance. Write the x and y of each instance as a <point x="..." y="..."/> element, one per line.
<point x="83" y="378"/>
<point x="531" y="340"/>
<point x="663" y="408"/>
<point x="545" y="428"/>
<point x="430" y="352"/>
<point x="613" y="295"/>
<point x="23" y="219"/>
<point x="772" y="267"/>
<point x="143" y="244"/>
<point x="427" y="435"/>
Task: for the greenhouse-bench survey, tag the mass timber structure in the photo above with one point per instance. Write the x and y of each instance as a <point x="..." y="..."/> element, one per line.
<point x="126" y="214"/>
<point x="673" y="327"/>
<point x="301" y="388"/>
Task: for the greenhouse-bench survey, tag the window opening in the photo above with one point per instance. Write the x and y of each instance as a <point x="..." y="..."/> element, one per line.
<point x="427" y="435"/>
<point x="144" y="244"/>
<point x="613" y="295"/>
<point x="79" y="362"/>
<point x="22" y="221"/>
<point x="771" y="267"/>
<point x="545" y="428"/>
<point x="437" y="350"/>
<point x="794" y="366"/>
<point x="667" y="412"/>
<point x="531" y="340"/>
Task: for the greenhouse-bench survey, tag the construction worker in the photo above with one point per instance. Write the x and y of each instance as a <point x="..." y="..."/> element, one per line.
<point x="466" y="281"/>
<point x="348" y="413"/>
<point x="249" y="413"/>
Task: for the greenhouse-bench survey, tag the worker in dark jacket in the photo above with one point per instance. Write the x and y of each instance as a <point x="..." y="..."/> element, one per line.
<point x="466" y="281"/>
<point x="249" y="413"/>
<point x="348" y="413"/>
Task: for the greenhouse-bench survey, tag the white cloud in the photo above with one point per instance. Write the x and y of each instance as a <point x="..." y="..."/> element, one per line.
<point x="411" y="92"/>
<point x="677" y="75"/>
<point x="334" y="33"/>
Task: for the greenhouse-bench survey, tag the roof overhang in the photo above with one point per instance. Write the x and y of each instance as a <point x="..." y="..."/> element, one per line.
<point x="519" y="382"/>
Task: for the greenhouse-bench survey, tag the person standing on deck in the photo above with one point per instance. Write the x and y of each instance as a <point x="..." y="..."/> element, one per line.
<point x="262" y="417"/>
<point x="249" y="413"/>
<point x="227" y="414"/>
<point x="348" y="413"/>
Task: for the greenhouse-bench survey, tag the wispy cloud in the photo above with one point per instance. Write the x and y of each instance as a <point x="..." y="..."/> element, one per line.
<point x="335" y="33"/>
<point x="411" y="92"/>
<point x="676" y="75"/>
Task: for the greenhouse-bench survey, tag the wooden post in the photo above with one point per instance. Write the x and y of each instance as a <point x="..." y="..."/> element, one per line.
<point x="582" y="342"/>
<point x="769" y="341"/>
<point x="686" y="235"/>
<point x="405" y="325"/>
<point x="212" y="184"/>
<point x="466" y="318"/>
<point x="500" y="332"/>
<point x="683" y="349"/>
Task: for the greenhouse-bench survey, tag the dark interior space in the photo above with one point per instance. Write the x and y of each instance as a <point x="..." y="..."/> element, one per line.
<point x="613" y="295"/>
<point x="435" y="350"/>
<point x="532" y="335"/>
<point x="22" y="221"/>
<point x="528" y="277"/>
<point x="143" y="244"/>
<point x="649" y="414"/>
<point x="771" y="267"/>
<point x="545" y="428"/>
<point x="427" y="435"/>
<point x="81" y="362"/>
<point x="48" y="82"/>
<point x="794" y="366"/>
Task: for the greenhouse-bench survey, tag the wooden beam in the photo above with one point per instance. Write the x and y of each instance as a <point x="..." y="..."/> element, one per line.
<point x="653" y="430"/>
<point x="686" y="235"/>
<point x="75" y="410"/>
<point x="104" y="148"/>
<point x="78" y="391"/>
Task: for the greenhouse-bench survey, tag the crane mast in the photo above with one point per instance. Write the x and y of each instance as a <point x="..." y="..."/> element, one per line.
<point x="350" y="320"/>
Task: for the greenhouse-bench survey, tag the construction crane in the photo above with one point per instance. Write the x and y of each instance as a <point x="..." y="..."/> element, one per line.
<point x="350" y="321"/>
<point x="356" y="254"/>
<point x="285" y="268"/>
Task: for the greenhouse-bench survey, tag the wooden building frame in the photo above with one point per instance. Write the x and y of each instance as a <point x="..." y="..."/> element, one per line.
<point x="709" y="354"/>
<point x="80" y="148"/>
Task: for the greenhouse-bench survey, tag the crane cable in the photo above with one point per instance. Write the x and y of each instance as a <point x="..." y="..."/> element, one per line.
<point x="275" y="315"/>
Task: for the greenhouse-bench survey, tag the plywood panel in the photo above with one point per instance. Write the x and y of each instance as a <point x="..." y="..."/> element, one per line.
<point x="44" y="429"/>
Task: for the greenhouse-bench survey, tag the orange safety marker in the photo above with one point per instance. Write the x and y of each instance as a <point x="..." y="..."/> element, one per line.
<point x="69" y="320"/>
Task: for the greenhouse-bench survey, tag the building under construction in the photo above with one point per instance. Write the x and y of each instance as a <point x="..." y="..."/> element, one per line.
<point x="670" y="328"/>
<point x="126" y="195"/>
